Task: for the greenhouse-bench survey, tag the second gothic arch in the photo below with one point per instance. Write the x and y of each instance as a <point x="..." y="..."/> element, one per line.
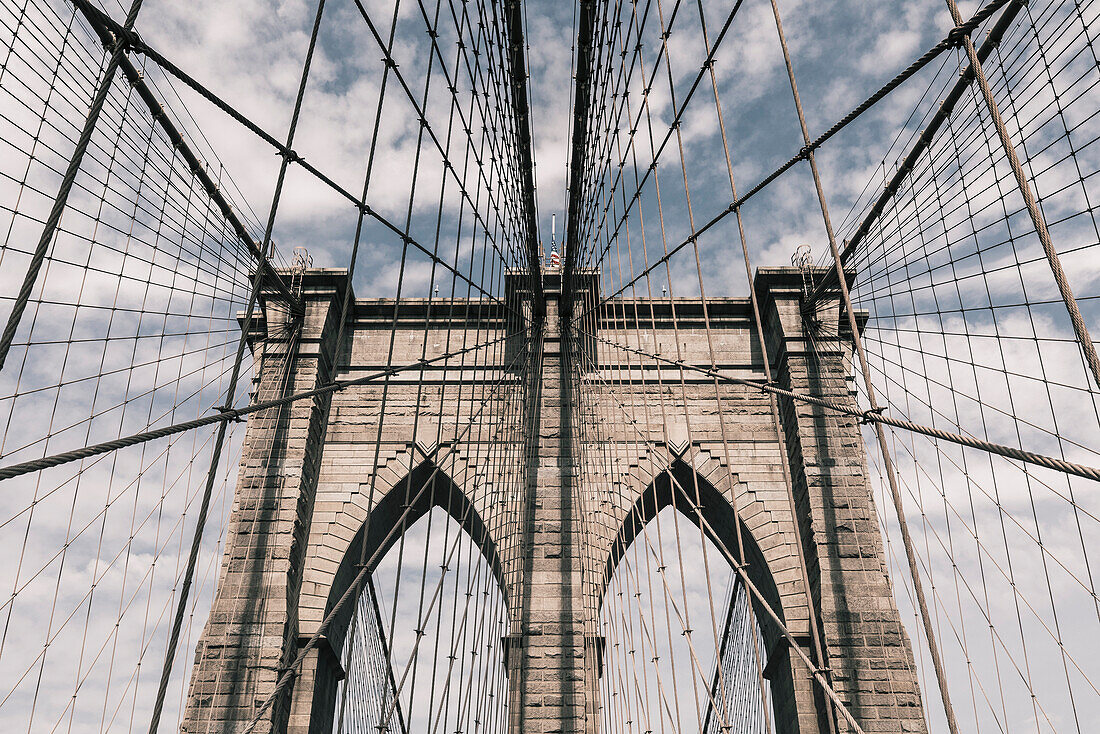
<point x="690" y="493"/>
<point x="676" y="487"/>
<point x="425" y="487"/>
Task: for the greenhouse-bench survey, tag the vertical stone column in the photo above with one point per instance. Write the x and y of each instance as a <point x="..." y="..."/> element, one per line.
<point x="869" y="657"/>
<point x="549" y="690"/>
<point x="252" y="632"/>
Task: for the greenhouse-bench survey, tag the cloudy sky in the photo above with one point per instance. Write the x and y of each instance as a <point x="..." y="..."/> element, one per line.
<point x="250" y="53"/>
<point x="993" y="356"/>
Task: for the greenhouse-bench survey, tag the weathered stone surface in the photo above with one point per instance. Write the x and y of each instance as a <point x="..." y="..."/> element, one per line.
<point x="311" y="474"/>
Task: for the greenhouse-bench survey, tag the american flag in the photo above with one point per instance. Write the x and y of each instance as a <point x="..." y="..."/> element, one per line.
<point x="555" y="261"/>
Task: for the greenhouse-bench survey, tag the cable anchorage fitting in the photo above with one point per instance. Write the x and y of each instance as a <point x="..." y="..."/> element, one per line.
<point x="868" y="416"/>
<point x="958" y="35"/>
<point x="291" y="669"/>
<point x="122" y="39"/>
<point x="233" y="413"/>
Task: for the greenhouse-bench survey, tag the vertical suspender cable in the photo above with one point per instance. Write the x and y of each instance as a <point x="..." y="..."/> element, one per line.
<point x="887" y="462"/>
<point x="215" y="459"/>
<point x="820" y="657"/>
<point x="517" y="68"/>
<point x="67" y="180"/>
<point x="581" y="104"/>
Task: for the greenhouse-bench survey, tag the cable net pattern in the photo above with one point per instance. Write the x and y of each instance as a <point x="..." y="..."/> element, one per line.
<point x="626" y="432"/>
<point x="131" y="325"/>
<point x="967" y="331"/>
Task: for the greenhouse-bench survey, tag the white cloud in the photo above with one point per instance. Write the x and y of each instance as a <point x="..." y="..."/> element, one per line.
<point x="250" y="54"/>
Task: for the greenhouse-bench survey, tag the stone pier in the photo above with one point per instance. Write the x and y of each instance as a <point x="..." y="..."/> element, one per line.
<point x="322" y="481"/>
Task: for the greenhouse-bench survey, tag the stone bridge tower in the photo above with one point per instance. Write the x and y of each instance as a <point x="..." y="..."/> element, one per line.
<point x="321" y="486"/>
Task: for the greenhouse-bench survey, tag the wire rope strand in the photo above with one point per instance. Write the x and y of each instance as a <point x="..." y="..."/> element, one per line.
<point x="75" y="160"/>
<point x="888" y="468"/>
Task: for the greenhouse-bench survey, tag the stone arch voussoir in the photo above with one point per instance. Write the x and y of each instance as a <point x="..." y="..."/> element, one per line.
<point x="709" y="488"/>
<point x="762" y="511"/>
<point x="336" y="545"/>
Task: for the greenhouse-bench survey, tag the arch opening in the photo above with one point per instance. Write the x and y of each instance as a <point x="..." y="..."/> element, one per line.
<point x="424" y="488"/>
<point x="420" y="649"/>
<point x="688" y="648"/>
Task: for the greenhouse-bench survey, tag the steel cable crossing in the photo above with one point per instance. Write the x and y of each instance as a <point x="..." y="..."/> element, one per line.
<point x="494" y="205"/>
<point x="604" y="154"/>
<point x="951" y="41"/>
<point x="147" y="263"/>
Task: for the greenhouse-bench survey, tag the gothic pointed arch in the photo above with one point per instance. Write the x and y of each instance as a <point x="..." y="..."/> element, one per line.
<point x="425" y="487"/>
<point x="697" y="499"/>
<point x="675" y="487"/>
<point x="397" y="510"/>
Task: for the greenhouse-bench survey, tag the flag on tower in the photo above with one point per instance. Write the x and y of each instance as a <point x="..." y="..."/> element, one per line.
<point x="555" y="260"/>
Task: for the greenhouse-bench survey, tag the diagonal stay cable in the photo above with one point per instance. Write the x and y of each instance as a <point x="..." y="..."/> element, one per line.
<point x="924" y="141"/>
<point x="226" y="414"/>
<point x="952" y="40"/>
<point x="137" y="81"/>
<point x="134" y="43"/>
<point x="1088" y="349"/>
<point x="870" y="416"/>
<point x="908" y="72"/>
